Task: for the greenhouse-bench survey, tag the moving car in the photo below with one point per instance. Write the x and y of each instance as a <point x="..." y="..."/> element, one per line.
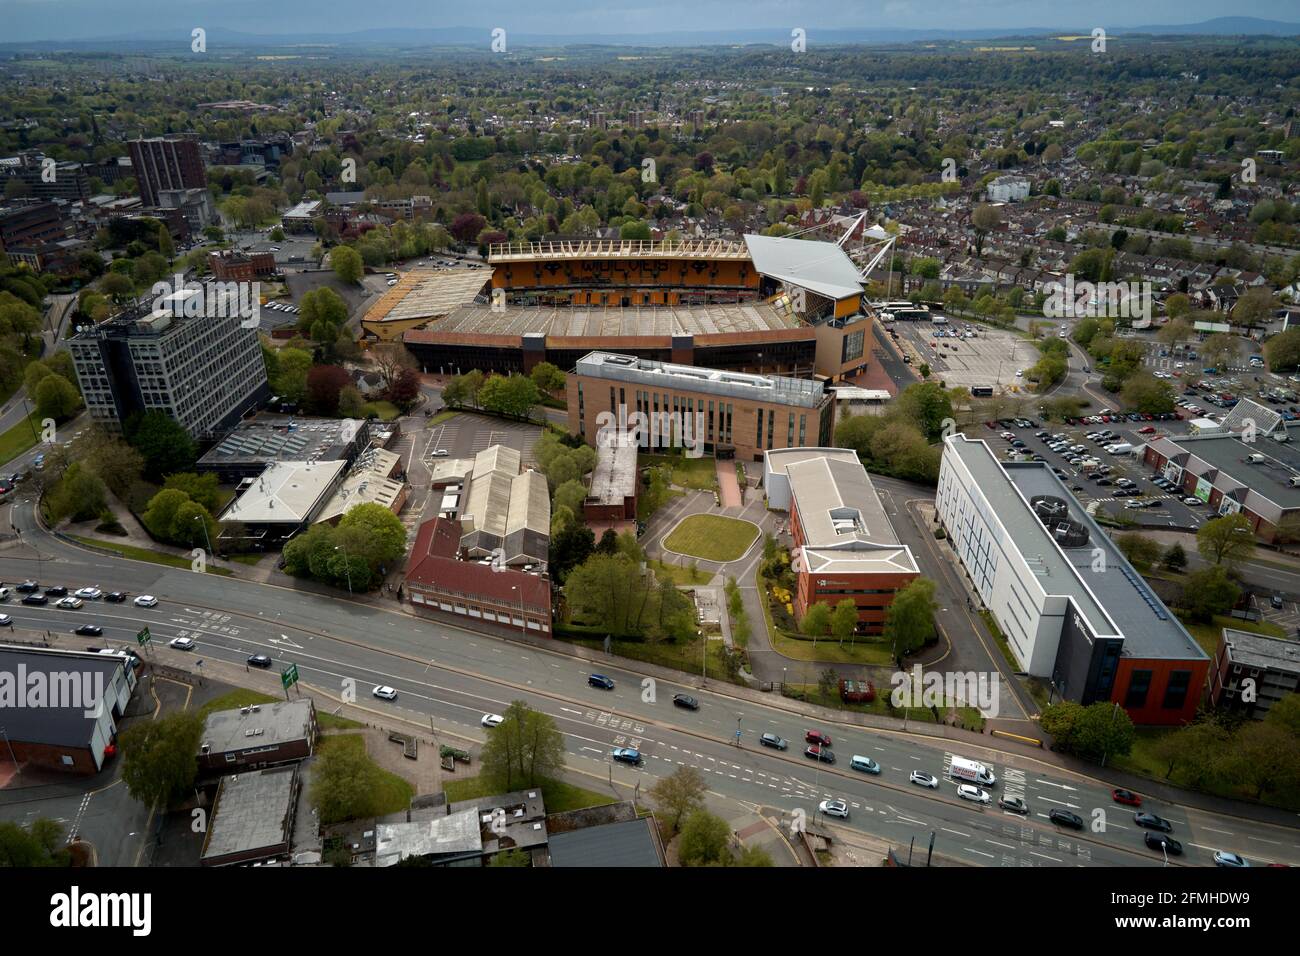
<point x="773" y="741"/>
<point x="492" y="720"/>
<point x="146" y="600"/>
<point x="834" y="808"/>
<point x="817" y="737"/>
<point x="972" y="793"/>
<point x="923" y="779"/>
<point x="1224" y="858"/>
<point x="626" y="755"/>
<point x="1013" y="804"/>
<point x="601" y="681"/>
<point x="259" y="660"/>
<point x="1127" y="797"/>
<point x="819" y="753"/>
<point x="56" y="591"/>
<point x="89" y="630"/>
<point x="687" y="701"/>
<point x="1152" y="822"/>
<point x="384" y="692"/>
<point x="182" y="643"/>
<point x="1065" y="818"/>
<point x="89" y="594"/>
<point x="1159" y="841"/>
<point x="6" y="620"/>
<point x="865" y="764"/>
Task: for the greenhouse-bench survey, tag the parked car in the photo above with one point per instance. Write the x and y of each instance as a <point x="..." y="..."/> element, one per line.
<point x="182" y="643"/>
<point x="56" y="591"/>
<point x="1065" y="818"/>
<point x="89" y="594"/>
<point x="773" y="741"/>
<point x="35" y="599"/>
<point x="384" y="692"/>
<point x="834" y="808"/>
<point x="686" y="701"/>
<point x="28" y="587"/>
<point x="117" y="597"/>
<point x="69" y="603"/>
<point x="1152" y="822"/>
<point x="601" y="681"/>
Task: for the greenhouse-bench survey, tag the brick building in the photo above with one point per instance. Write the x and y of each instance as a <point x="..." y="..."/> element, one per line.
<point x="232" y="265"/>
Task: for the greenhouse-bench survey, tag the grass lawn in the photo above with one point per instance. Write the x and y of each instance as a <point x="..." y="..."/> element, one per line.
<point x="140" y="554"/>
<point x="829" y="650"/>
<point x="557" y="795"/>
<point x="681" y="576"/>
<point x="712" y="537"/>
<point x="251" y="559"/>
<point x="20" y="438"/>
<point x="682" y="657"/>
<point x="1207" y="635"/>
<point x="335" y="722"/>
<point x="392" y="793"/>
<point x="441" y="417"/>
<point x="697" y="473"/>
<point x="386" y="411"/>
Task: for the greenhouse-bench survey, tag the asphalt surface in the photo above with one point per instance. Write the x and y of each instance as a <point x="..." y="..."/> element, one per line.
<point x="449" y="678"/>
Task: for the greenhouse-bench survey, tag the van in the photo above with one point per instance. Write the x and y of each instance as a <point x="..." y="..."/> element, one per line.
<point x="4" y="594"/>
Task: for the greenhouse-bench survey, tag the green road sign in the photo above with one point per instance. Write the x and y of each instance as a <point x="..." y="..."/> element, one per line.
<point x="289" y="676"/>
<point x="144" y="637"/>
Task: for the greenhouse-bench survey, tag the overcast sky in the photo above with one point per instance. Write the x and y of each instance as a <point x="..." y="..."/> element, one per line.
<point x="79" y="19"/>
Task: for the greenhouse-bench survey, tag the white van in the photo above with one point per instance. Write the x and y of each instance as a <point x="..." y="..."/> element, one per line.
<point x="4" y="594"/>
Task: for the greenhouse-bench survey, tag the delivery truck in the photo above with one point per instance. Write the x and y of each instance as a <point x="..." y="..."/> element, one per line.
<point x="971" y="771"/>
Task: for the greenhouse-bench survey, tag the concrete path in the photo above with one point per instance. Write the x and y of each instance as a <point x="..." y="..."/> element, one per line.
<point x="728" y="484"/>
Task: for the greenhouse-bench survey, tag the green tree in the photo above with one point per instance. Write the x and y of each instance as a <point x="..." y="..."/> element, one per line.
<point x="524" y="751"/>
<point x="56" y="398"/>
<point x="570" y="495"/>
<point x="1194" y="752"/>
<point x="1207" y="592"/>
<point x="160" y="758"/>
<point x="1060" y="721"/>
<point x="199" y="488"/>
<point x="1104" y="730"/>
<point x="704" y="841"/>
<point x="984" y="219"/>
<point x="346" y="263"/>
<point x="166" y="447"/>
<point x="1142" y="552"/>
<point x="547" y="378"/>
<point x="816" y="620"/>
<point x="1228" y="540"/>
<point x="1265" y="758"/>
<point x="909" y="619"/>
<point x="160" y="514"/>
<point x="1175" y="558"/>
<point x="344" y="784"/>
<point x="844" y="620"/>
<point x="39" y="845"/>
<point x="79" y="495"/>
<point x="679" y="794"/>
<point x="512" y="857"/>
<point x="374" y="532"/>
<point x="514" y="395"/>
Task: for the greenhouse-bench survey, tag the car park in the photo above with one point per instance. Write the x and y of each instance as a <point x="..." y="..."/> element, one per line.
<point x="384" y="692"/>
<point x="1065" y="818"/>
<point x="834" y="808"/>
<point x="182" y="643"/>
<point x="601" y="681"/>
<point x="626" y="755"/>
<point x="819" y="753"/>
<point x="865" y="764"/>
<point x="686" y="701"/>
<point x="973" y="793"/>
<point x="1160" y="841"/>
<point x="1152" y="822"/>
<point x="258" y="660"/>
<point x="773" y="741"/>
<point x="492" y="720"/>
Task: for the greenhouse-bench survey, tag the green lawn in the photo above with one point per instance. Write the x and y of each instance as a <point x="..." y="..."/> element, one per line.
<point x="681" y="576"/>
<point x="829" y="650"/>
<point x="386" y="411"/>
<point x="441" y="417"/>
<point x="556" y="794"/>
<point x="20" y="438"/>
<point x="682" y="657"/>
<point x="140" y="554"/>
<point x="712" y="537"/>
<point x="699" y="473"/>
<point x="393" y="793"/>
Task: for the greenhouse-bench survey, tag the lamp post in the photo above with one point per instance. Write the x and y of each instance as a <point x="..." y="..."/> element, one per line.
<point x="199" y="518"/>
<point x="347" y="564"/>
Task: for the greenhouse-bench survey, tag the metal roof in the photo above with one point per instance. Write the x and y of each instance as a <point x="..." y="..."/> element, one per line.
<point x="628" y="843"/>
<point x="776" y="389"/>
<point x="821" y="267"/>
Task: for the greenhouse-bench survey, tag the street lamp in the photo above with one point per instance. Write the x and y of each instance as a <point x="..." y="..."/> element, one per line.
<point x="347" y="564"/>
<point x="199" y="518"/>
<point x="738" y="716"/>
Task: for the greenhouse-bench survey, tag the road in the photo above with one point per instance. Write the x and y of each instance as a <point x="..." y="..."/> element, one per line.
<point x="450" y="677"/>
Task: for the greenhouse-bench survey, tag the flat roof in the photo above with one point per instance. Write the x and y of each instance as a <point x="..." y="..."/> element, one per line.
<point x="819" y="266"/>
<point x="304" y="210"/>
<point x="1114" y="600"/>
<point x="59" y="726"/>
<point x="626" y="843"/>
<point x="253" y="811"/>
<point x="1261" y="650"/>
<point x="428" y="294"/>
<point x="367" y="482"/>
<point x="777" y="389"/>
<point x="1227" y="454"/>
<point x="287" y="491"/>
<point x="454" y="834"/>
<point x="284" y="438"/>
<point x="285" y="721"/>
<point x="584" y="321"/>
<point x="614" y="477"/>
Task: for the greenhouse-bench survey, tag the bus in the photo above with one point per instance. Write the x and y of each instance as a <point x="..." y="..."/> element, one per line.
<point x="981" y="391"/>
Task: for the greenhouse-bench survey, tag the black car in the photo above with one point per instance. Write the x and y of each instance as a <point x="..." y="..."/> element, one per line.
<point x="259" y="660"/>
<point x="1066" y="819"/>
<point x="116" y="597"/>
<point x="57" y="591"/>
<point x="1152" y="822"/>
<point x="1159" y="841"/>
<point x="28" y="587"/>
<point x="818" y="752"/>
<point x="687" y="701"/>
<point x="773" y="741"/>
<point x="89" y="630"/>
<point x="601" y="681"/>
<point x="36" y="599"/>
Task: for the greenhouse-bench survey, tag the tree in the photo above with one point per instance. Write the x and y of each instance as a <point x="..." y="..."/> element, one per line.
<point x="1264" y="757"/>
<point x="984" y="219"/>
<point x="116" y="462"/>
<point x="1060" y="721"/>
<point x="1144" y="392"/>
<point x="909" y="619"/>
<point x="290" y="381"/>
<point x="1226" y="540"/>
<point x="1283" y="350"/>
<point x="346" y="263"/>
<point x="1175" y="558"/>
<point x="390" y="358"/>
<point x="323" y="304"/>
<point x="344" y="784"/>
<point x="570" y="549"/>
<point x="324" y="383"/>
<point x="160" y="758"/>
<point x="79" y="495"/>
<point x="525" y="750"/>
<point x="704" y="840"/>
<point x="1286" y="713"/>
<point x="570" y="495"/>
<point x="1207" y="592"/>
<point x="160" y="514"/>
<point x="380" y="534"/>
<point x="514" y="395"/>
<point x="201" y="489"/>
<point x="351" y="402"/>
<point x="514" y="856"/>
<point x="1142" y="552"/>
<point x="1103" y="730"/>
<point x="816" y="620"/>
<point x="166" y="446"/>
<point x="844" y="620"/>
<point x="1256" y="307"/>
<point x="679" y="794"/>
<point x="405" y="389"/>
<point x="547" y="378"/>
<point x="1196" y="750"/>
<point x="56" y="397"/>
<point x="41" y="844"/>
<point x="827" y="681"/>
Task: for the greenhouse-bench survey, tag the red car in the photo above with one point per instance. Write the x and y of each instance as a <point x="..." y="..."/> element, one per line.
<point x="1127" y="797"/>
<point x="992" y="426"/>
<point x="1148" y="430"/>
<point x="817" y="737"/>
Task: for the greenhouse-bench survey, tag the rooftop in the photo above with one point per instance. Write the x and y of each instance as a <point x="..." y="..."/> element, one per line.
<point x="428" y="294"/>
<point x="626" y="843"/>
<point x="367" y="482"/>
<point x="1227" y="456"/>
<point x="616" y="249"/>
<point x="304" y="210"/>
<point x="456" y="834"/>
<point x="1259" y="650"/>
<point x="253" y="811"/>
<point x="284" y="438"/>
<point x="59" y="726"/>
<point x="614" y="477"/>
<point x="286" y="492"/>
<point x="777" y="389"/>
<point x="259" y="725"/>
<point x="434" y="563"/>
<point x="820" y="267"/>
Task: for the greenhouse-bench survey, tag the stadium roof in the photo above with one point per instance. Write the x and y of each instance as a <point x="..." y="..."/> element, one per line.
<point x="821" y="267"/>
<point x="605" y="322"/>
<point x="428" y="294"/>
<point x="500" y="252"/>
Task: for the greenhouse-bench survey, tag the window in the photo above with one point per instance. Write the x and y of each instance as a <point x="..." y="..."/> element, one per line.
<point x="1138" y="687"/>
<point x="759" y="440"/>
<point x="1176" y="690"/>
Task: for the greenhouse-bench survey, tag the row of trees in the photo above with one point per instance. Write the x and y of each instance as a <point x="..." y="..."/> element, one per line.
<point x="612" y="591"/>
<point x="900" y="442"/>
<point x="356" y="553"/>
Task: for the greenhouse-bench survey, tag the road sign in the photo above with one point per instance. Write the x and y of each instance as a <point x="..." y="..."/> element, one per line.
<point x="144" y="637"/>
<point x="289" y="676"/>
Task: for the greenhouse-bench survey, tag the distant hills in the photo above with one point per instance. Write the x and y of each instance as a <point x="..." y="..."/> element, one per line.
<point x="407" y="38"/>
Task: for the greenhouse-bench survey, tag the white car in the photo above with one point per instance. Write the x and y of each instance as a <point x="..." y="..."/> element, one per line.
<point x="69" y="603"/>
<point x="492" y="720"/>
<point x="440" y="453"/>
<point x="923" y="779"/>
<point x="834" y="808"/>
<point x="1224" y="858"/>
<point x="1191" y="502"/>
<point x="972" y="793"/>
<point x="182" y="643"/>
<point x="90" y="594"/>
<point x="384" y="692"/>
<point x="146" y="600"/>
<point x="6" y="620"/>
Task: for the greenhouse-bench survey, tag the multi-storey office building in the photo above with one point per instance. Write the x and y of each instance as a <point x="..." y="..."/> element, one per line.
<point x="202" y="371"/>
<point x="732" y="414"/>
<point x="162" y="163"/>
